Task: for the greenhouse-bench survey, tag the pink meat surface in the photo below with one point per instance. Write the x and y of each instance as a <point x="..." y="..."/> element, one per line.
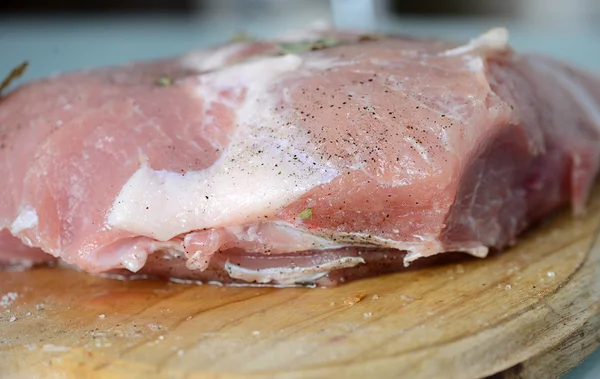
<point x="310" y="160"/>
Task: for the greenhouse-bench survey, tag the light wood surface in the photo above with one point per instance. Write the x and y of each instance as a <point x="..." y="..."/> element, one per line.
<point x="530" y="312"/>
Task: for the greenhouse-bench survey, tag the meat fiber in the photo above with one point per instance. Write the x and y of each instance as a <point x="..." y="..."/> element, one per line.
<point x="310" y="159"/>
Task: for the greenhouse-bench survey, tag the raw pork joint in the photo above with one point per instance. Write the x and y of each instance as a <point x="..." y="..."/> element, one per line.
<point x="311" y="159"/>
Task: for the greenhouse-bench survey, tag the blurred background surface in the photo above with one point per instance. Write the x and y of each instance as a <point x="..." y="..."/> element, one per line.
<point x="60" y="35"/>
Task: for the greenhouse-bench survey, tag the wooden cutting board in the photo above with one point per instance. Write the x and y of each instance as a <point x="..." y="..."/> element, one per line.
<point x="530" y="312"/>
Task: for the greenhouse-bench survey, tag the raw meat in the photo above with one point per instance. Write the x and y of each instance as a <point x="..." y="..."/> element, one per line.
<point x="309" y="159"/>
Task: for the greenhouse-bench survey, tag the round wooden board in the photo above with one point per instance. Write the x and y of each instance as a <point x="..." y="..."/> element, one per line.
<point x="530" y="312"/>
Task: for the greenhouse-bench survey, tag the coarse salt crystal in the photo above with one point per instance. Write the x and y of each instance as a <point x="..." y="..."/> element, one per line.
<point x="8" y="299"/>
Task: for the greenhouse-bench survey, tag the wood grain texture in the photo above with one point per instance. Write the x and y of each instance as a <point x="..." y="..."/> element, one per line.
<point x="530" y="312"/>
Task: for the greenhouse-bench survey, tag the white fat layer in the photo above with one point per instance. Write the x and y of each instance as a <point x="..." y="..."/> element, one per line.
<point x="423" y="246"/>
<point x="492" y="40"/>
<point x="283" y="237"/>
<point x="475" y="64"/>
<point x="477" y="251"/>
<point x="26" y="219"/>
<point x="133" y="258"/>
<point x="266" y="166"/>
<point x="261" y="238"/>
<point x="414" y="254"/>
<point x="290" y="275"/>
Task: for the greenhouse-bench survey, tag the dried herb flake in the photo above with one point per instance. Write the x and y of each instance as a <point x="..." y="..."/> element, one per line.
<point x="368" y="37"/>
<point x="306" y="214"/>
<point x="15" y="74"/>
<point x="163" y="81"/>
<point x="301" y="47"/>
